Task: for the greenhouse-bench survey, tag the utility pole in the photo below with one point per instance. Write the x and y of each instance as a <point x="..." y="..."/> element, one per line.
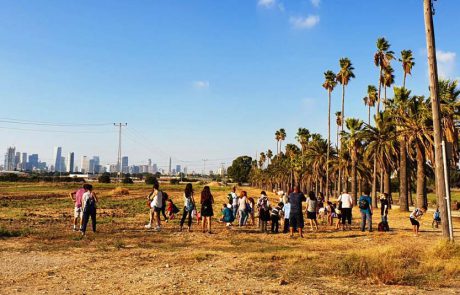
<point x="119" y="168"/>
<point x="204" y="166"/>
<point x="442" y="183"/>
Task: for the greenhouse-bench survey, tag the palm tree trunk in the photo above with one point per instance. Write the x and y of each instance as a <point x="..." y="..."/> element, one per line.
<point x="354" y="175"/>
<point x="339" y="177"/>
<point x="380" y="89"/>
<point x="343" y="105"/>
<point x="404" y="79"/>
<point x="328" y="144"/>
<point x="403" y="196"/>
<point x="384" y="97"/>
<point x="369" y="115"/>
<point x="374" y="182"/>
<point x="421" y="179"/>
<point x="437" y="132"/>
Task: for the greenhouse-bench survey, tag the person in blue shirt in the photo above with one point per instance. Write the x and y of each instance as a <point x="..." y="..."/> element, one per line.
<point x="365" y="207"/>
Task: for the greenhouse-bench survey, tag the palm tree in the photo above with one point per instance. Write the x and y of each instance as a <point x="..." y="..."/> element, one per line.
<point x="370" y="100"/>
<point x="269" y="156"/>
<point x="282" y="137"/>
<point x="303" y="136"/>
<point x="382" y="59"/>
<point x="387" y="79"/>
<point x="399" y="110"/>
<point x="277" y="138"/>
<point x="329" y="84"/>
<point x="262" y="160"/>
<point x="408" y="63"/>
<point x="352" y="140"/>
<point x="339" y="122"/>
<point x="449" y="95"/>
<point x="343" y="77"/>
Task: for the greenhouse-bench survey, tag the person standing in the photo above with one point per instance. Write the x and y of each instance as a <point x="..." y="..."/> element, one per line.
<point x="234" y="202"/>
<point x="296" y="215"/>
<point x="207" y="200"/>
<point x="365" y="207"/>
<point x="312" y="204"/>
<point x="347" y="206"/>
<point x="286" y="213"/>
<point x="76" y="197"/>
<point x="89" y="201"/>
<point x="189" y="205"/>
<point x="156" y="197"/>
<point x="251" y="209"/>
<point x="264" y="211"/>
<point x="384" y="206"/>
<point x="242" y="209"/>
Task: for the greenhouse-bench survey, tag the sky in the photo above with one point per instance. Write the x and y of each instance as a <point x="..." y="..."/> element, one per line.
<point x="200" y="79"/>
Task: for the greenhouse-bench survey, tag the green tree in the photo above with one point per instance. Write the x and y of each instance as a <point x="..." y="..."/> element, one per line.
<point x="370" y="100"/>
<point x="343" y="77"/>
<point x="382" y="59"/>
<point x="104" y="178"/>
<point x="329" y="84"/>
<point x="240" y="169"/>
<point x="408" y="63"/>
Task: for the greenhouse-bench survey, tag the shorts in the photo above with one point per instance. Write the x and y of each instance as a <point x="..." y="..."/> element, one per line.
<point x="296" y="220"/>
<point x="414" y="221"/>
<point x="78" y="212"/>
<point x="311" y="215"/>
<point x="156" y="209"/>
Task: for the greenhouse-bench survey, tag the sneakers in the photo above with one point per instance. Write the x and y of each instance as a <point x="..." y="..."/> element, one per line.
<point x="148" y="226"/>
<point x="158" y="228"/>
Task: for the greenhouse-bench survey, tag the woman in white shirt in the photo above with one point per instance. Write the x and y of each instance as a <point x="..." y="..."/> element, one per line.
<point x="242" y="201"/>
<point x="89" y="201"/>
<point x="156" y="203"/>
<point x="189" y="205"/>
<point x="346" y="202"/>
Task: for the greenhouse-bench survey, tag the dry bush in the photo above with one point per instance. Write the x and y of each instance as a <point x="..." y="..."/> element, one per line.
<point x="119" y="191"/>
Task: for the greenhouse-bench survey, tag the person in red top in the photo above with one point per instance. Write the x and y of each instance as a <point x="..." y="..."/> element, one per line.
<point x="77" y="196"/>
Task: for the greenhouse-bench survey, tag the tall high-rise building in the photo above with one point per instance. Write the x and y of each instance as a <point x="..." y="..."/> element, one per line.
<point x="84" y="165"/>
<point x="169" y="171"/>
<point x="33" y="162"/>
<point x="97" y="164"/>
<point x="154" y="168"/>
<point x="124" y="164"/>
<point x="63" y="167"/>
<point x="10" y="156"/>
<point x="57" y="159"/>
<point x="178" y="169"/>
<point x="70" y="162"/>
<point x="17" y="161"/>
<point x="24" y="161"/>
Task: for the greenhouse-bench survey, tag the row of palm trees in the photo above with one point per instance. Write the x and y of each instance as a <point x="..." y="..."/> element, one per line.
<point x="398" y="142"/>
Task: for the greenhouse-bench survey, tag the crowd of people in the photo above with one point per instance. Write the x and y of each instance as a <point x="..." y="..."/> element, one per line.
<point x="240" y="210"/>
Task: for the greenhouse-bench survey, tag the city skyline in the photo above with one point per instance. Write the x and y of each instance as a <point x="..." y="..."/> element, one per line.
<point x="207" y="80"/>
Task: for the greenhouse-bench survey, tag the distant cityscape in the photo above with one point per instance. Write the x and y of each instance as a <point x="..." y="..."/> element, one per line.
<point x="22" y="161"/>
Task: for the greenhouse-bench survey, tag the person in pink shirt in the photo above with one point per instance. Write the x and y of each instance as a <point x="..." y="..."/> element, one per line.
<point x="77" y="196"/>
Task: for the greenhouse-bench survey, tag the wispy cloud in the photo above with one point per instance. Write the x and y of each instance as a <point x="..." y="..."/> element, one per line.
<point x="315" y="3"/>
<point x="446" y="63"/>
<point x="304" y="22"/>
<point x="201" y="84"/>
<point x="266" y="3"/>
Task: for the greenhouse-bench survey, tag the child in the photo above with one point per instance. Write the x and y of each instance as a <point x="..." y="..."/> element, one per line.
<point x="436" y="218"/>
<point x="172" y="210"/>
<point x="384" y="205"/>
<point x="338" y="212"/>
<point x="227" y="215"/>
<point x="330" y="211"/>
<point x="417" y="214"/>
<point x="286" y="212"/>
<point x="275" y="217"/>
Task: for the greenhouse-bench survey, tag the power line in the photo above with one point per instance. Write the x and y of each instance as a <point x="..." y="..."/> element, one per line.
<point x="53" y="131"/>
<point x="44" y="123"/>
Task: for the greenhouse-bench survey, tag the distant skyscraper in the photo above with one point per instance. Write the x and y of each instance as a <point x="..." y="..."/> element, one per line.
<point x="169" y="171"/>
<point x="70" y="162"/>
<point x="17" y="161"/>
<point x="178" y="169"/>
<point x="33" y="162"/>
<point x="84" y="165"/>
<point x="154" y="168"/>
<point x="63" y="167"/>
<point x="10" y="156"/>
<point x="24" y="161"/>
<point x="124" y="164"/>
<point x="57" y="158"/>
<point x="97" y="164"/>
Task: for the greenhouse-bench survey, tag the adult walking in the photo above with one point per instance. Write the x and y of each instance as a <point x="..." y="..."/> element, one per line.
<point x="365" y="207"/>
<point x="189" y="205"/>
<point x="312" y="206"/>
<point x="89" y="201"/>
<point x="242" y="208"/>
<point x="296" y="215"/>
<point x="207" y="200"/>
<point x="156" y="203"/>
<point x="234" y="199"/>
<point x="347" y="206"/>
<point x="76" y="197"/>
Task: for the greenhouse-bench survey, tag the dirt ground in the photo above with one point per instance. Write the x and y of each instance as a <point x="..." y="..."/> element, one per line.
<point x="44" y="255"/>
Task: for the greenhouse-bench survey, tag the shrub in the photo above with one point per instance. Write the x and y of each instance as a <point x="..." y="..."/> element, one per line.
<point x="104" y="178"/>
<point x="174" y="181"/>
<point x="150" y="179"/>
<point x="127" y="180"/>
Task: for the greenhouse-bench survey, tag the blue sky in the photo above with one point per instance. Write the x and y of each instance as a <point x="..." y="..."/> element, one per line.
<point x="196" y="79"/>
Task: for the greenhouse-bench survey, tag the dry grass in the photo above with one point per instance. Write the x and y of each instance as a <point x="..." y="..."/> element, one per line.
<point x="124" y="258"/>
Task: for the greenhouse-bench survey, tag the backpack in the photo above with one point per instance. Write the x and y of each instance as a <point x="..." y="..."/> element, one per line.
<point x="175" y="210"/>
<point x="436" y="216"/>
<point x="263" y="204"/>
<point x="91" y="203"/>
<point x="248" y="208"/>
<point x="363" y="204"/>
<point x="165" y="196"/>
